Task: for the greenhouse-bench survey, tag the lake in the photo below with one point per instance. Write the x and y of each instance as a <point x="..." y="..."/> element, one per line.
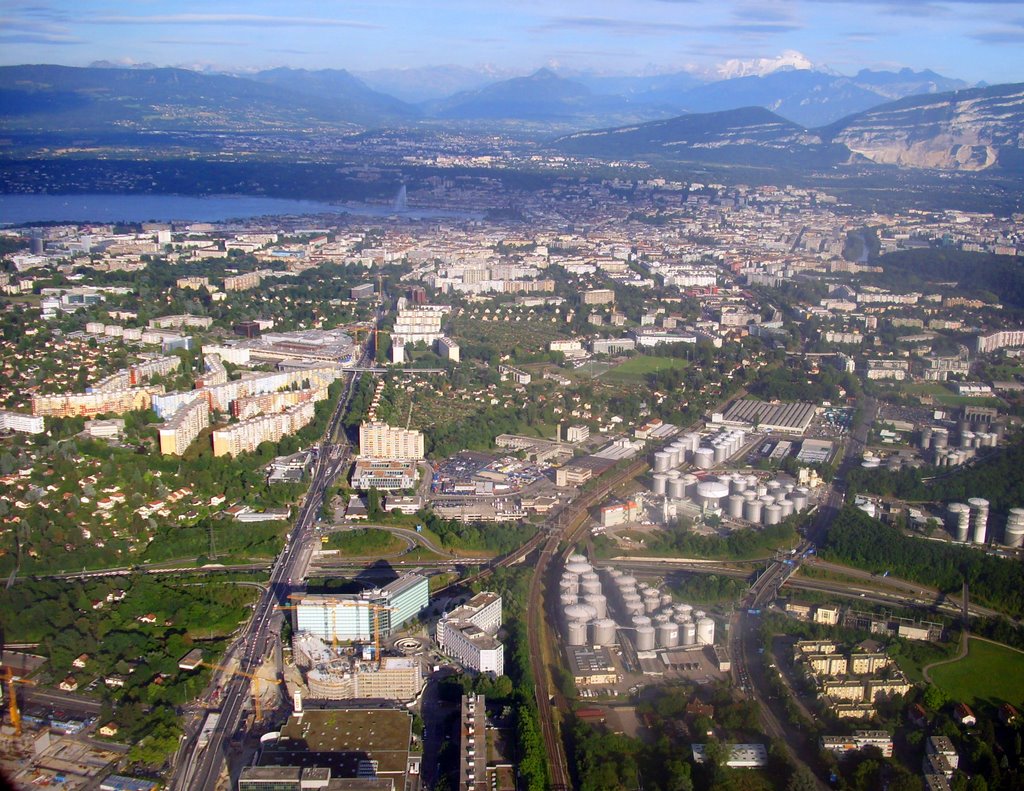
<point x="21" y="209"/>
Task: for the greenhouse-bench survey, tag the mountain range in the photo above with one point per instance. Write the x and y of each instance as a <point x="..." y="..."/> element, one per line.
<point x="778" y="112"/>
<point x="968" y="130"/>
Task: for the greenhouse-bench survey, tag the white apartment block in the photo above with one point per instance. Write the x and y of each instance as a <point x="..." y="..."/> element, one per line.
<point x="378" y="440"/>
<point x="448" y="349"/>
<point x="1002" y="339"/>
<point x="888" y="369"/>
<point x="147" y="369"/>
<point x="182" y="429"/>
<point x="467" y="633"/>
<point x="24" y="424"/>
<point x="417" y="324"/>
<point x="246" y="436"/>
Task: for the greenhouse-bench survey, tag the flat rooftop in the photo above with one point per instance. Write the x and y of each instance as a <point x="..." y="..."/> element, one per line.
<point x="345" y="740"/>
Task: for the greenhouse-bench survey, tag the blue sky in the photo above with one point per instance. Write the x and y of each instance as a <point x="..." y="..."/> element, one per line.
<point x="971" y="40"/>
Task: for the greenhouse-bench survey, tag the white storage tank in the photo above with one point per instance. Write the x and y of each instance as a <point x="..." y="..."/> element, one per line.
<point x="577" y="558"/>
<point x="734" y="506"/>
<point x="632" y="600"/>
<point x="773" y="488"/>
<point x="568" y="599"/>
<point x="580" y="612"/>
<point x="684" y="609"/>
<point x="576" y="634"/>
<point x="979" y="519"/>
<point x="662" y="461"/>
<point x="688" y="633"/>
<point x="659" y="483"/>
<point x="627" y="580"/>
<point x="772" y="514"/>
<point x="705" y="631"/>
<point x="787" y="507"/>
<point x="737" y="484"/>
<point x="666" y="600"/>
<point x="569" y="584"/>
<point x="960" y="521"/>
<point x="591" y="587"/>
<point x="704" y="458"/>
<point x="577" y="567"/>
<point x="721" y="453"/>
<point x="690" y="482"/>
<point x="800" y="498"/>
<point x="652" y="603"/>
<point x="676" y="489"/>
<point x="710" y="493"/>
<point x="692" y="440"/>
<point x="1014" y="535"/>
<point x="645" y="638"/>
<point x="640" y="620"/>
<point x="698" y="614"/>
<point x="598" y="602"/>
<point x="668" y="635"/>
<point x="752" y="511"/>
<point x="660" y="618"/>
<point x="604" y="631"/>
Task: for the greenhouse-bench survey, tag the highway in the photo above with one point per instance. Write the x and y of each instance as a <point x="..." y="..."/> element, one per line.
<point x="198" y="768"/>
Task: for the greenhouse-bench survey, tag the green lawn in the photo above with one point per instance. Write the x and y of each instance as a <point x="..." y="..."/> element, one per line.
<point x="946" y="397"/>
<point x="988" y="674"/>
<point x="636" y="369"/>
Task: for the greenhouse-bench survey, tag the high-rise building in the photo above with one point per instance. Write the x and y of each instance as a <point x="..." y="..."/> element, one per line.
<point x="184" y="426"/>
<point x="468" y="634"/>
<point x="378" y="440"/>
<point x="351" y="617"/>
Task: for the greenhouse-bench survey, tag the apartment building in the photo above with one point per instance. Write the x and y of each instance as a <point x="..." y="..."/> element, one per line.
<point x="378" y="440"/>
<point x="246" y="436"/>
<point x="184" y="426"/>
<point x="244" y="282"/>
<point x="467" y="633"/>
<point x="96" y="403"/>
<point x="21" y="423"/>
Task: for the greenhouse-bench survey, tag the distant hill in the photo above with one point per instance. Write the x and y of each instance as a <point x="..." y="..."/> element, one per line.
<point x="749" y="135"/>
<point x="428" y="83"/>
<point x="541" y="97"/>
<point x="61" y="98"/>
<point x="342" y="92"/>
<point x="970" y="130"/>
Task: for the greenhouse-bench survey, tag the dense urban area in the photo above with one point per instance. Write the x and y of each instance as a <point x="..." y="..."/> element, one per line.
<point x="539" y="474"/>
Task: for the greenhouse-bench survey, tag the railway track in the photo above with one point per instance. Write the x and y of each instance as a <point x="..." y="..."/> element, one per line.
<point x="571" y="523"/>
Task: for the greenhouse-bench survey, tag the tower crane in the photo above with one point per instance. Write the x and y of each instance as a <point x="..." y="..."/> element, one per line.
<point x="254" y="678"/>
<point x="7" y="675"/>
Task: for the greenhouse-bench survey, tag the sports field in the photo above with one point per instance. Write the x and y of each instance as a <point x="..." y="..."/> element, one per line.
<point x="989" y="673"/>
<point x="635" y="369"/>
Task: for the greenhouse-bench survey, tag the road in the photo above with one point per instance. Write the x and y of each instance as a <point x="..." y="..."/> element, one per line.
<point x="199" y="768"/>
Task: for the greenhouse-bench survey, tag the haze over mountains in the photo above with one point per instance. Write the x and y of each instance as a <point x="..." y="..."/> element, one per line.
<point x="796" y="114"/>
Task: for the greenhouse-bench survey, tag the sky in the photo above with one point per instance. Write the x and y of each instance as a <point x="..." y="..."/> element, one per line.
<point x="973" y="41"/>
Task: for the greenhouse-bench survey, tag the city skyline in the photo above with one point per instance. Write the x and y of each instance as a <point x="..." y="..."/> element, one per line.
<point x="968" y="40"/>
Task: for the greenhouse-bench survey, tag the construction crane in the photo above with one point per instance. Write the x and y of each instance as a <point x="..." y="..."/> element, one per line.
<point x="256" y="680"/>
<point x="374" y="608"/>
<point x="8" y="676"/>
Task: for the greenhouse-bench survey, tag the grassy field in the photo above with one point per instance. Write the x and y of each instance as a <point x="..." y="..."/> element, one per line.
<point x="989" y="673"/>
<point x="636" y="369"/>
<point x="946" y="397"/>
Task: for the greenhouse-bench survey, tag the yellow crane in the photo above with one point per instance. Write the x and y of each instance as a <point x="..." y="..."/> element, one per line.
<point x="376" y="609"/>
<point x="7" y="675"/>
<point x="256" y="681"/>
